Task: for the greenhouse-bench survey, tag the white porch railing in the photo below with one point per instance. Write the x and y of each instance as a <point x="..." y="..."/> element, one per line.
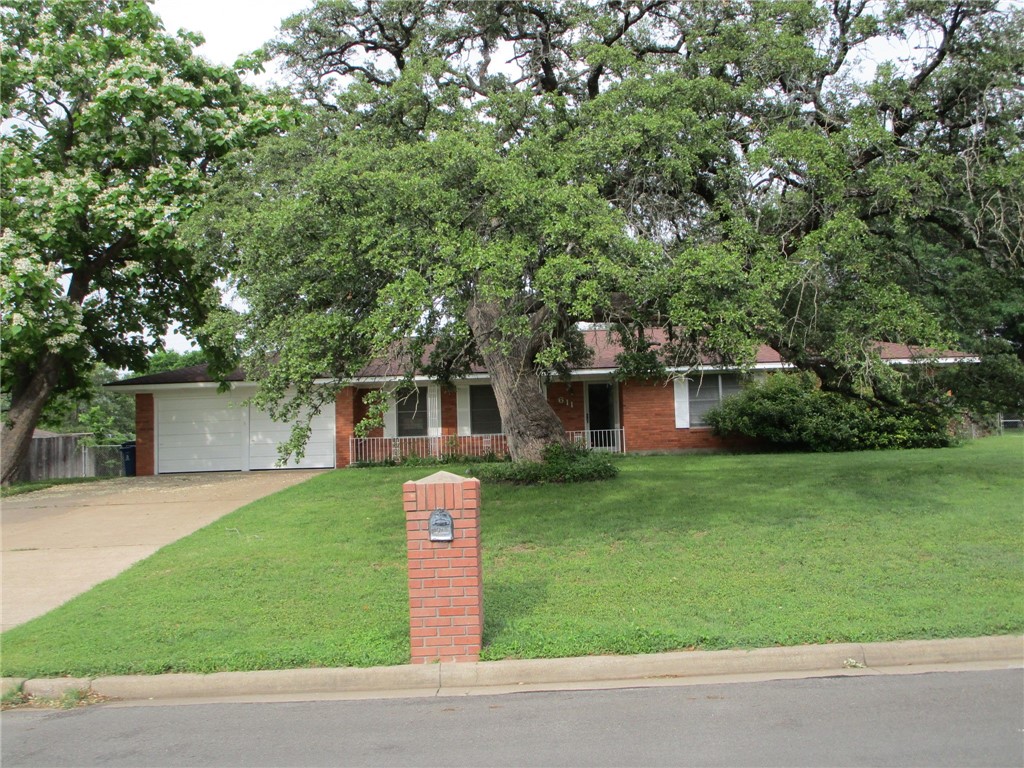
<point x="378" y="450"/>
<point x="609" y="440"/>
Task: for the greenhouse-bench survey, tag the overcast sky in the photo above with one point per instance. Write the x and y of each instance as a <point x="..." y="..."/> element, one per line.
<point x="231" y="27"/>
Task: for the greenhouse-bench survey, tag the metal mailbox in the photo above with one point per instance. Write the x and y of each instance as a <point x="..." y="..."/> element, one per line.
<point x="440" y="525"/>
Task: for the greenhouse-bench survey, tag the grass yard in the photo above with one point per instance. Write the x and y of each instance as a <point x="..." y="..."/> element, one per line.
<point x="677" y="552"/>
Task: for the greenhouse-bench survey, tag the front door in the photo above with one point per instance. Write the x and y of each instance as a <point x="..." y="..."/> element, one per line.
<point x="602" y="417"/>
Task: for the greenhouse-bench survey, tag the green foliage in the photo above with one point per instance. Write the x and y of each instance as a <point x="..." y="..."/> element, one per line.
<point x="639" y="359"/>
<point x="36" y="314"/>
<point x="13" y="697"/>
<point x="169" y="360"/>
<point x="112" y="131"/>
<point x="562" y="464"/>
<point x="790" y="412"/>
<point x="110" y="417"/>
<point x="994" y="384"/>
<point x="727" y="173"/>
<point x="452" y="457"/>
<point x="116" y="129"/>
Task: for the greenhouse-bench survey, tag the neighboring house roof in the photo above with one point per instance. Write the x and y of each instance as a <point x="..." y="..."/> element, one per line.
<point x="605" y="349"/>
<point x="193" y="374"/>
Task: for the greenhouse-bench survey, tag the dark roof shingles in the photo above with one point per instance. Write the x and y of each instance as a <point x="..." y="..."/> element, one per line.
<point x="193" y="374"/>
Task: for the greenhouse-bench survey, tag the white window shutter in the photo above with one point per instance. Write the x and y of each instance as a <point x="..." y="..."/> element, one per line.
<point x="433" y="410"/>
<point x="391" y="419"/>
<point x="463" y="417"/>
<point x="682" y="398"/>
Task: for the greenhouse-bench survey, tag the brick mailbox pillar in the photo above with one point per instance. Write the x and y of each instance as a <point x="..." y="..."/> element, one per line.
<point x="442" y="523"/>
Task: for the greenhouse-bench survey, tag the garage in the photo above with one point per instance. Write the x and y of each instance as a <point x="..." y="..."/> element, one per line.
<point x="208" y="431"/>
<point x="184" y="423"/>
<point x="265" y="435"/>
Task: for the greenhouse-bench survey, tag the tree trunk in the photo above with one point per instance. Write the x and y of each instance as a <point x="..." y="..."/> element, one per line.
<point x="26" y="406"/>
<point x="528" y="421"/>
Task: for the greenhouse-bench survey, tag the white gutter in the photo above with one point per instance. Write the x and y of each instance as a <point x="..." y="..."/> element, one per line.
<point x="582" y="373"/>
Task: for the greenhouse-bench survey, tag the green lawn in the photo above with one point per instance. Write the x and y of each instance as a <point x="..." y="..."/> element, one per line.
<point x="677" y="552"/>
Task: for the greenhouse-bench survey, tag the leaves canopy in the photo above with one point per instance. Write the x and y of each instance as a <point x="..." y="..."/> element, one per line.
<point x="108" y="417"/>
<point x="477" y="178"/>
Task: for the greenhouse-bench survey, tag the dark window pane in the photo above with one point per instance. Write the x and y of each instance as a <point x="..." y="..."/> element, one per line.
<point x="732" y="384"/>
<point x="708" y="391"/>
<point x="697" y="412"/>
<point x="484" y="418"/>
<point x="411" y="412"/>
<point x="703" y="397"/>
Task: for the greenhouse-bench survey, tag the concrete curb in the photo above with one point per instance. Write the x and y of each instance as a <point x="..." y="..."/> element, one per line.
<point x="805" y="658"/>
<point x="11" y="684"/>
<point x="267" y="683"/>
<point x="603" y="671"/>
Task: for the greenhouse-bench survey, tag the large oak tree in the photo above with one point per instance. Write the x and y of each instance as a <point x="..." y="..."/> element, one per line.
<point x="476" y="178"/>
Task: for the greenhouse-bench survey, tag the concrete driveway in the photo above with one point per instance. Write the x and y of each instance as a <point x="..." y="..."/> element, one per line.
<point x="62" y="541"/>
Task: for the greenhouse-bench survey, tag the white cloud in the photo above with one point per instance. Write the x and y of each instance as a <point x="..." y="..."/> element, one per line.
<point x="231" y="27"/>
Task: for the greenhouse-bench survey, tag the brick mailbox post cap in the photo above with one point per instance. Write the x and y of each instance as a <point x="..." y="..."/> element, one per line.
<point x="441" y="477"/>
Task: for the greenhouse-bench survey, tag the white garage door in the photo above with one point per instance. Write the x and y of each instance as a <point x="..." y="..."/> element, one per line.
<point x="199" y="433"/>
<point x="218" y="432"/>
<point x="265" y="435"/>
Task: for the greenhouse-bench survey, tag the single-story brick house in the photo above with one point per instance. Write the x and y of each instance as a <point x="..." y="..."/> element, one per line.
<point x="183" y="424"/>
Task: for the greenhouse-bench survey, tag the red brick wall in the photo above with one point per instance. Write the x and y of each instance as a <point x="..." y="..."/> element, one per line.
<point x="349" y="410"/>
<point x="145" y="435"/>
<point x="649" y="419"/>
<point x="566" y="399"/>
<point x="446" y="614"/>
<point x="344" y="425"/>
<point x="360" y="412"/>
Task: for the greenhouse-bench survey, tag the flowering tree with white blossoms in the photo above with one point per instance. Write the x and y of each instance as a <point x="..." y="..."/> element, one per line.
<point x="111" y="131"/>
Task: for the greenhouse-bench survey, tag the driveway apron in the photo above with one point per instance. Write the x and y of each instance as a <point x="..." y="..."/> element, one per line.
<point x="60" y="542"/>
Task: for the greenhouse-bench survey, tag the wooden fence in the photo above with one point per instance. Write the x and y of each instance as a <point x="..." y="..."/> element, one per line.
<point x="63" y="456"/>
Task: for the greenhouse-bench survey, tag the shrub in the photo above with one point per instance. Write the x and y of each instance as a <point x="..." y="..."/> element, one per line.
<point x="562" y="464"/>
<point x="790" y="413"/>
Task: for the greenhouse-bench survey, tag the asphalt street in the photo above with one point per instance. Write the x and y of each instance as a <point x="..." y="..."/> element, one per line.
<point x="935" y="719"/>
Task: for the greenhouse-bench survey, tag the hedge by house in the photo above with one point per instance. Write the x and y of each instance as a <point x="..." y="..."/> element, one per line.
<point x="790" y="412"/>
